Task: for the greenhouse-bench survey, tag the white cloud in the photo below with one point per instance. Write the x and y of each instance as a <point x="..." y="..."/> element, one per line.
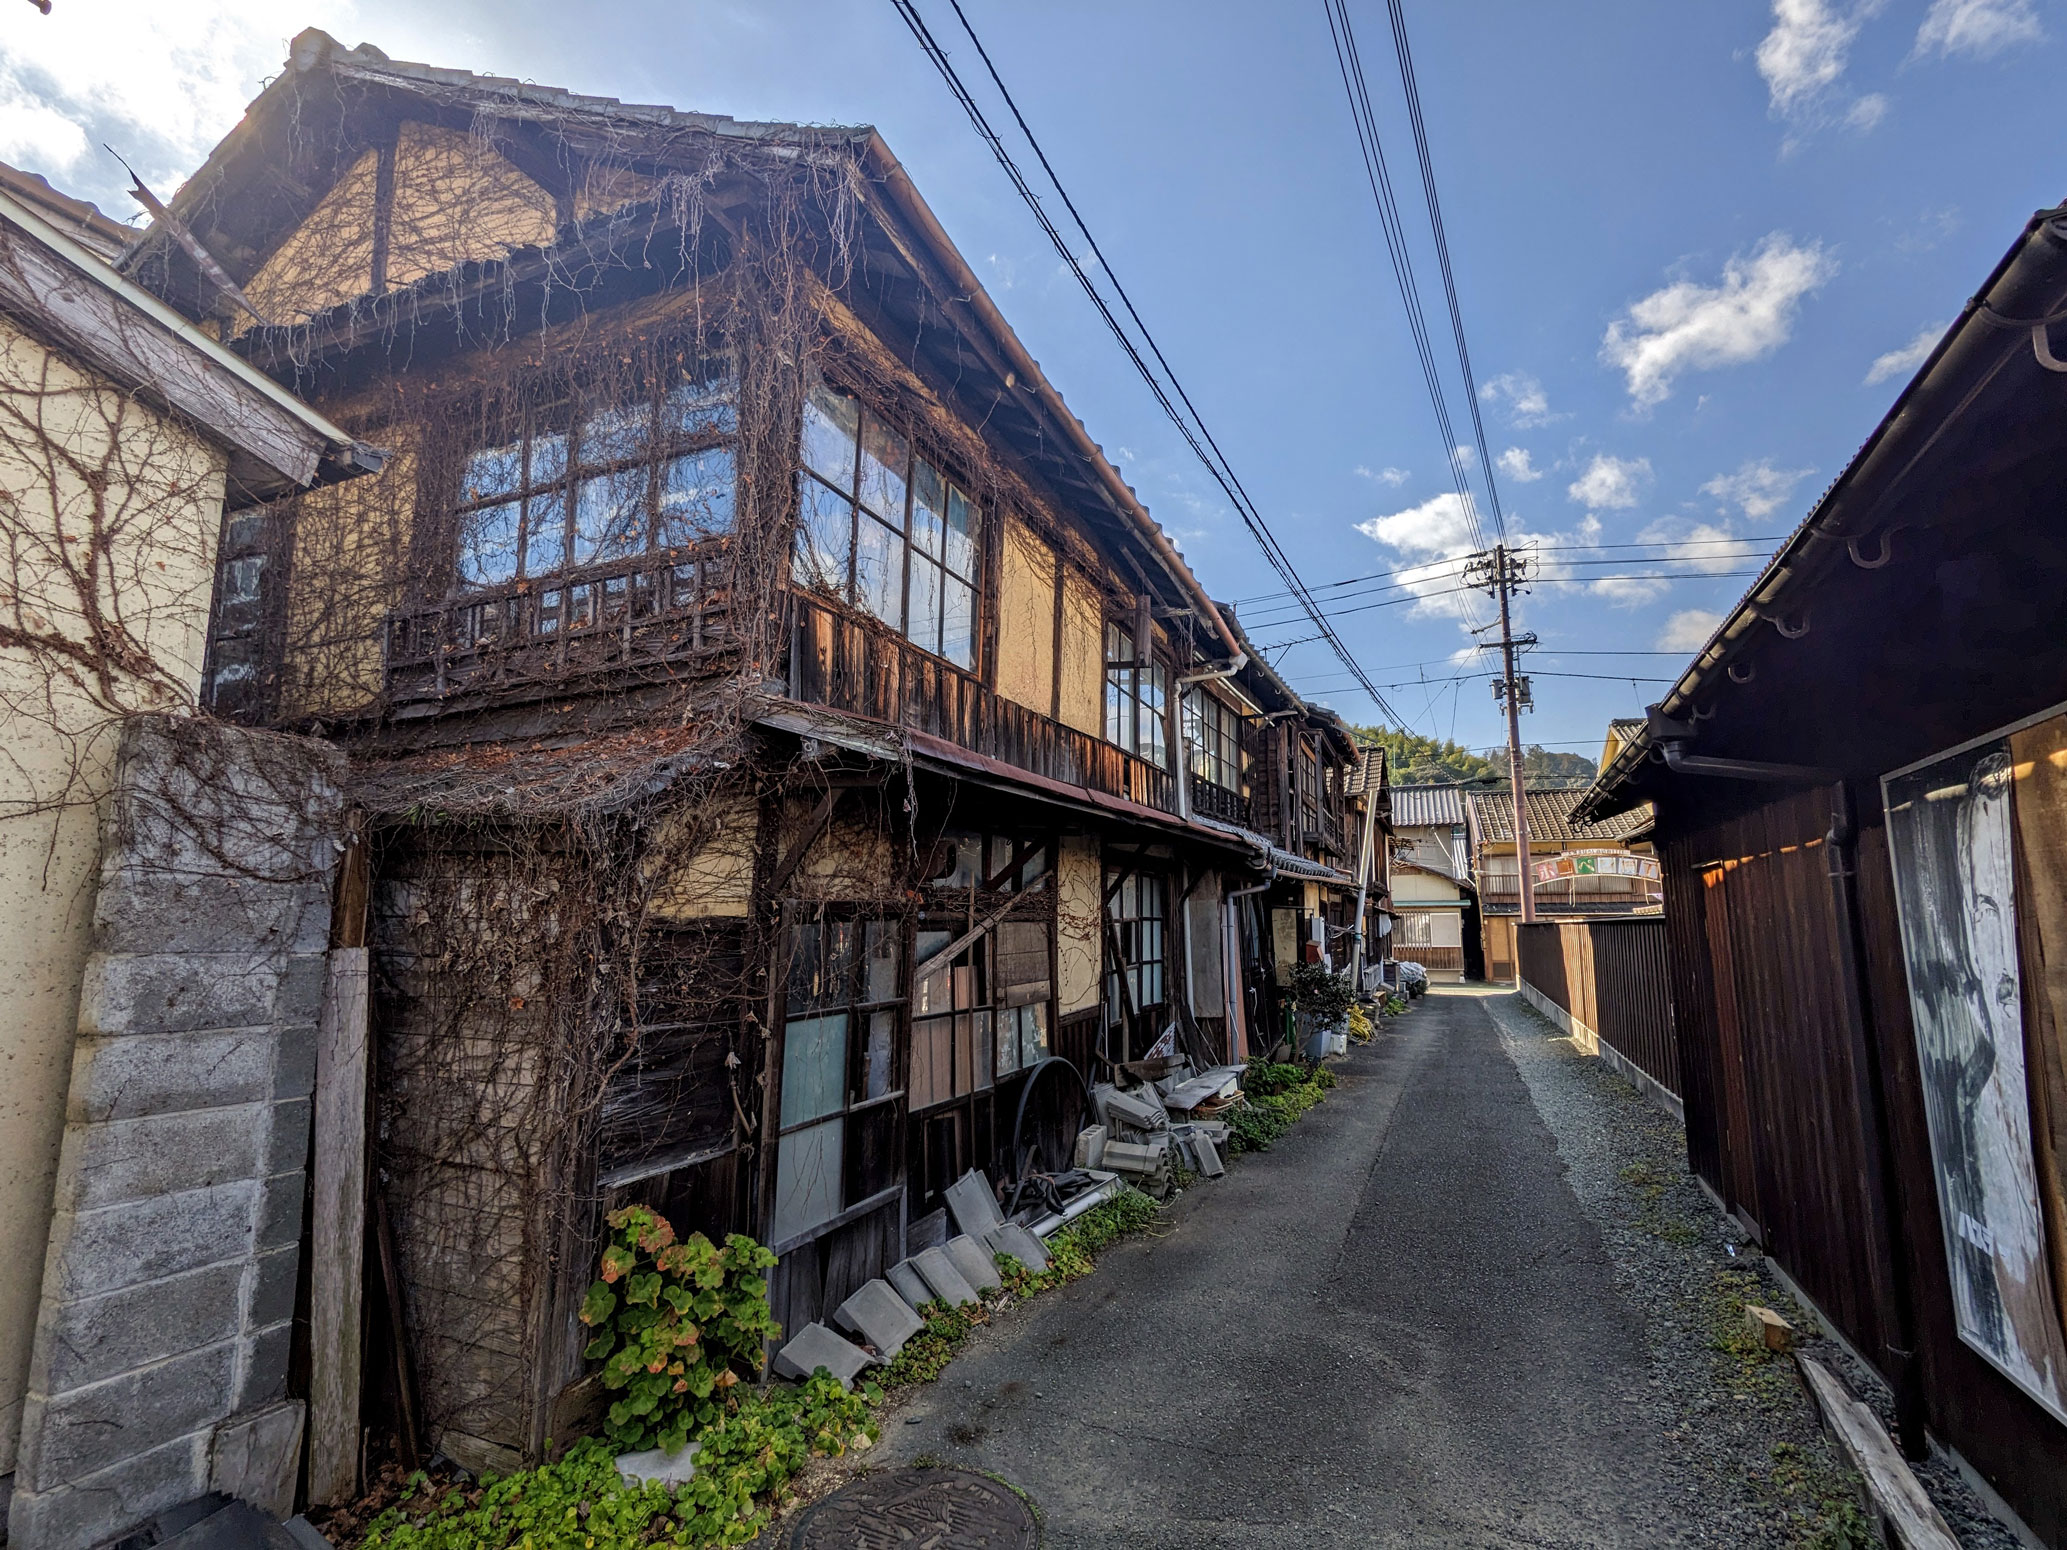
<point x="1867" y="112"/>
<point x="1688" y="326"/>
<point x="1807" y="50"/>
<point x="1980" y="29"/>
<point x="1689" y="630"/>
<point x="1527" y="404"/>
<point x="1438" y="528"/>
<point x="1517" y="465"/>
<point x="1905" y="358"/>
<point x="1756" y="489"/>
<point x="1611" y="483"/>
<point x="1467" y="457"/>
<point x="1392" y="476"/>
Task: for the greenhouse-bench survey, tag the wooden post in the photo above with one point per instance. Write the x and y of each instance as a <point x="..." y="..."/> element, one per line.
<point x="337" y="1231"/>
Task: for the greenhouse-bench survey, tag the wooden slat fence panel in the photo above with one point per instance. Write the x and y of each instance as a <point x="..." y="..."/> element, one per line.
<point x="1613" y="976"/>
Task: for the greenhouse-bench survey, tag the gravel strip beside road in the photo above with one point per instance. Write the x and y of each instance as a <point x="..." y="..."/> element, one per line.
<point x="1746" y="1428"/>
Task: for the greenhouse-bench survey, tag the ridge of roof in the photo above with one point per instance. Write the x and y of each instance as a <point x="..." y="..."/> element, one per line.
<point x="313" y="47"/>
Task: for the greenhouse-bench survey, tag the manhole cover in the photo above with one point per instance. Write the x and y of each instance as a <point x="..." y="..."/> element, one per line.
<point x="902" y="1509"/>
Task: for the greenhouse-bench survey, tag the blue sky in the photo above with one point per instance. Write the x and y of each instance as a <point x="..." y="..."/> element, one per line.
<point x="1699" y="250"/>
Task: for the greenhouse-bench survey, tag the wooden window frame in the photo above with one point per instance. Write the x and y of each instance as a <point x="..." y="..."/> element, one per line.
<point x="570" y="418"/>
<point x="917" y="450"/>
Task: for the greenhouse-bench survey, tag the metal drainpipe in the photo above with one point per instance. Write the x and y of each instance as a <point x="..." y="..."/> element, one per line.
<point x="1892" y="1291"/>
<point x="1894" y="1300"/>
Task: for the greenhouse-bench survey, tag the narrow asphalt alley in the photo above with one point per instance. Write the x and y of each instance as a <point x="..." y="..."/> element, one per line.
<point x="1396" y="1327"/>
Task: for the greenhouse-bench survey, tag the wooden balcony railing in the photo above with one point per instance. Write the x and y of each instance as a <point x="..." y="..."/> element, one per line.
<point x="858" y="667"/>
<point x="1216" y="801"/>
<point x="655" y="609"/>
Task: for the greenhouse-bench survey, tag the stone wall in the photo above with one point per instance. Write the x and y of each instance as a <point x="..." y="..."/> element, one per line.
<point x="159" y="1369"/>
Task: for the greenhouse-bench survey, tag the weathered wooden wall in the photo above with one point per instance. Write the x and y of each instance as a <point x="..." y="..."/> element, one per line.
<point x="1610" y="976"/>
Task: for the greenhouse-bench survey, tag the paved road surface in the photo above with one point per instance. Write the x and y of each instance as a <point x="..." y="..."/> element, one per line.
<point x="1395" y="1328"/>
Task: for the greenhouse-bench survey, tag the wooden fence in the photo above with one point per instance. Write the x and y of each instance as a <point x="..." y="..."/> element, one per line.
<point x="1606" y="982"/>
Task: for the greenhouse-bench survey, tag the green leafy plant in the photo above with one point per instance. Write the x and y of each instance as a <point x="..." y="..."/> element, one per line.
<point x="678" y="1324"/>
<point x="581" y="1502"/>
<point x="1277" y="1095"/>
<point x="1325" y="998"/>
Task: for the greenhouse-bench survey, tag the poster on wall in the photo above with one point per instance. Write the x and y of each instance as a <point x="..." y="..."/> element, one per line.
<point x="1954" y="823"/>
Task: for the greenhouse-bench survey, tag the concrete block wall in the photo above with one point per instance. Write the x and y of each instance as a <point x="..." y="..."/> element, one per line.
<point x="160" y="1359"/>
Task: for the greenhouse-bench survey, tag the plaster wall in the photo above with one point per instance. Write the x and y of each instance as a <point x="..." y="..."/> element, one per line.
<point x="81" y="464"/>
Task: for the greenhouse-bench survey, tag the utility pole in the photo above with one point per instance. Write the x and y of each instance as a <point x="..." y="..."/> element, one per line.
<point x="1500" y="572"/>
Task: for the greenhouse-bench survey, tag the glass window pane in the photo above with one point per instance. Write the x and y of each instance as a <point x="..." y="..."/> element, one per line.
<point x="545" y="532"/>
<point x="1033" y="1033"/>
<point x="493" y="471"/>
<point x="961" y="534"/>
<point x="488" y="545"/>
<point x="879" y="572"/>
<point x="958" y="625"/>
<point x="879" y="1074"/>
<point x="610" y="516"/>
<point x="1008" y="1041"/>
<point x="548" y="458"/>
<point x="924" y="625"/>
<point x="699" y="406"/>
<point x="885" y="456"/>
<point x="825" y="530"/>
<point x="807" y="1179"/>
<point x="830" y="422"/>
<point x="928" y="508"/>
<point x="964" y="1053"/>
<point x="814" y="1067"/>
<point x="695" y="498"/>
<point x="879" y="979"/>
<point x="981" y="1046"/>
<point x="615" y="433"/>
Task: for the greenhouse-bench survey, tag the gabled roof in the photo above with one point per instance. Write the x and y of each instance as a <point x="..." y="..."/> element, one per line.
<point x="274" y="167"/>
<point x="1550" y="818"/>
<point x="69" y="297"/>
<point x="78" y="219"/>
<point x="1416" y="807"/>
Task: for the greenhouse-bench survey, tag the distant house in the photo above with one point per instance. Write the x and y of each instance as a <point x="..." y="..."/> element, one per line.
<point x="1861" y="795"/>
<point x="1578" y="869"/>
<point x="1434" y="905"/>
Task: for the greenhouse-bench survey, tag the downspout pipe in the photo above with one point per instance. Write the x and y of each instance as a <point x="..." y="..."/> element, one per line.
<point x="1893" y="1295"/>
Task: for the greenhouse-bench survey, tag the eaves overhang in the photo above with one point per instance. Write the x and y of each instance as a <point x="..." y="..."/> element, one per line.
<point x="2002" y="322"/>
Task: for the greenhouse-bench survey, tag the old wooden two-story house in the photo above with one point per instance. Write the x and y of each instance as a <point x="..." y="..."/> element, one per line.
<point x="781" y="730"/>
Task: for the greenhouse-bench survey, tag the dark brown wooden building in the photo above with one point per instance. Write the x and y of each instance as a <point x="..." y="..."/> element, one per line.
<point x="782" y="733"/>
<point x="1861" y="791"/>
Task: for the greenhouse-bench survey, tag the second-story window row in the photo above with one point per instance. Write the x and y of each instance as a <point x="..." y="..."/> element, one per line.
<point x="1136" y="691"/>
<point x="1213" y="733"/>
<point x="594" y="479"/>
<point x="884" y="530"/>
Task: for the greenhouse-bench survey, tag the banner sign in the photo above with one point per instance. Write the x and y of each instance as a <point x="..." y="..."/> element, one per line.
<point x="1596" y="863"/>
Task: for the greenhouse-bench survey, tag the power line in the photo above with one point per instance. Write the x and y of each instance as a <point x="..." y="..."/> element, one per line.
<point x="1192" y="429"/>
<point x="1418" y="597"/>
<point x="1379" y="176"/>
<point x="1746" y="545"/>
<point x="1442" y="250"/>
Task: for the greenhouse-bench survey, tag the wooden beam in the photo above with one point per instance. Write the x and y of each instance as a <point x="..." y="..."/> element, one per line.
<point x="1897" y="1496"/>
<point x="821" y="820"/>
<point x="95" y="322"/>
<point x="337" y="1231"/>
